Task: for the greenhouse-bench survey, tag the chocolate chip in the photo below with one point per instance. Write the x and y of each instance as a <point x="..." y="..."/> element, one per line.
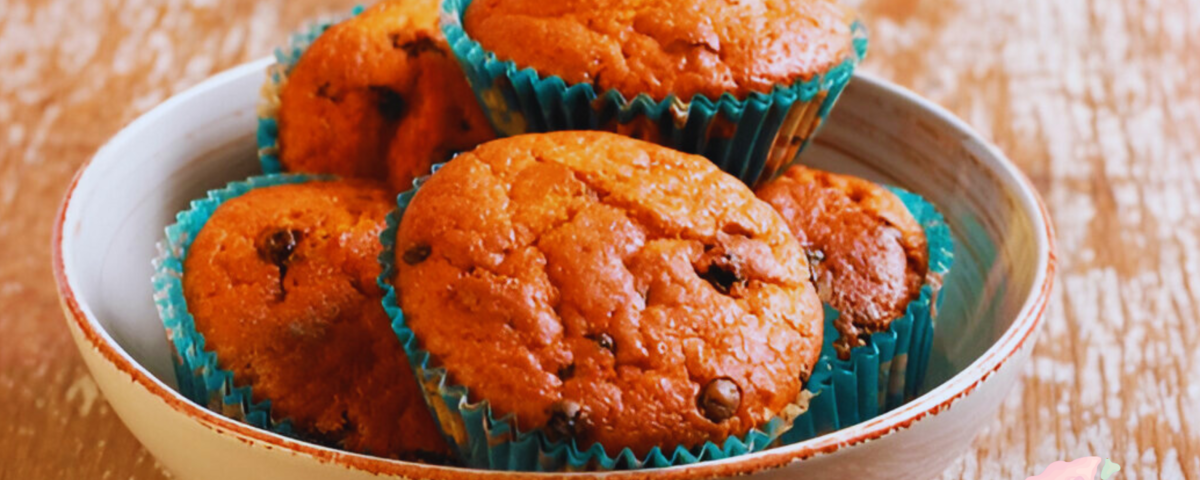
<point x="719" y="400"/>
<point x="391" y="104"/>
<point x="323" y="91"/>
<point x="564" y="420"/>
<point x="417" y="254"/>
<point x="721" y="278"/>
<point x="417" y="46"/>
<point x="566" y="372"/>
<point x="330" y="92"/>
<point x="277" y="247"/>
<point x="464" y="125"/>
<point x="605" y="341"/>
<point x="723" y="272"/>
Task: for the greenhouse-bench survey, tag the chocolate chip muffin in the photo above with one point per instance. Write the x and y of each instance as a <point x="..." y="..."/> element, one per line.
<point x="281" y="284"/>
<point x="605" y="289"/>
<point x="680" y="47"/>
<point x="867" y="252"/>
<point x="378" y="96"/>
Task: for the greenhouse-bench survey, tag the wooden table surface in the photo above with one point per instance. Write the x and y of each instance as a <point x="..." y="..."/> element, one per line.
<point x="1097" y="100"/>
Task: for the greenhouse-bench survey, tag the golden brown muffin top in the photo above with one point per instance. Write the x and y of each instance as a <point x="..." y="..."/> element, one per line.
<point x="281" y="283"/>
<point x="868" y="253"/>
<point x="608" y="289"/>
<point x="379" y="96"/>
<point x="685" y="47"/>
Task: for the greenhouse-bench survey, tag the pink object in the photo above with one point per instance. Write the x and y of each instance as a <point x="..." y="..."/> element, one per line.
<point x="1081" y="469"/>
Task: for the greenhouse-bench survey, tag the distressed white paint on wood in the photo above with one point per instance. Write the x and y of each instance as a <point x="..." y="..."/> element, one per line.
<point x="1097" y="100"/>
<point x="71" y="74"/>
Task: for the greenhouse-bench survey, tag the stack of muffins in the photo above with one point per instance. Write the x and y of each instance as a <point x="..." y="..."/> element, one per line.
<point x="521" y="235"/>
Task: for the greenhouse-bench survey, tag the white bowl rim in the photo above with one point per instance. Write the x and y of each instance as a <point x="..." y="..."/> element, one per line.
<point x="929" y="404"/>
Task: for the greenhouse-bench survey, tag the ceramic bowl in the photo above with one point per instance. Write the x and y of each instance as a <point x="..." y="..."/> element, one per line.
<point x="119" y="203"/>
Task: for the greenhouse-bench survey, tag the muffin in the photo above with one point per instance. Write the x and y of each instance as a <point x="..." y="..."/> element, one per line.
<point x="673" y="47"/>
<point x="280" y="284"/>
<point x="743" y="83"/>
<point x="378" y="96"/>
<point x="868" y="254"/>
<point x="603" y="291"/>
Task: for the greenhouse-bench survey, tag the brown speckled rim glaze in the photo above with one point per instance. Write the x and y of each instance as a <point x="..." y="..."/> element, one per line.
<point x="930" y="404"/>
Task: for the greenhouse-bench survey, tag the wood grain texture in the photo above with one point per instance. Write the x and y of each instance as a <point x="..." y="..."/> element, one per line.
<point x="1097" y="100"/>
<point x="72" y="74"/>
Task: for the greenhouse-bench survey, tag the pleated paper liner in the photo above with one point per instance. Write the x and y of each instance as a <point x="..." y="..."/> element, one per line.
<point x="752" y="138"/>
<point x="286" y="59"/>
<point x="486" y="440"/>
<point x="200" y="376"/>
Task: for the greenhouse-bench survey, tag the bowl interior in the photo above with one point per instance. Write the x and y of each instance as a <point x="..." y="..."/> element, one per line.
<point x="204" y="138"/>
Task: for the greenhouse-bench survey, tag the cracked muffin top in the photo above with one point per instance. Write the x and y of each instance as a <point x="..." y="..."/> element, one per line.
<point x="608" y="290"/>
<point x="681" y="47"/>
<point x="281" y="283"/>
<point x="379" y="96"/>
<point x="868" y="253"/>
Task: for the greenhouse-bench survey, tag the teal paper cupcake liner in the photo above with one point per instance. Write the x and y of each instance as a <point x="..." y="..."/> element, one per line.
<point x="286" y="59"/>
<point x="752" y="138"/>
<point x="485" y="440"/>
<point x="200" y="376"/>
<point x="890" y="369"/>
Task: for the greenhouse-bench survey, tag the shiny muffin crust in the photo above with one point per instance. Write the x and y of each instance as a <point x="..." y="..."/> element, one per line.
<point x="868" y="253"/>
<point x="681" y="47"/>
<point x="281" y="283"/>
<point x="608" y="290"/>
<point x="379" y="96"/>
